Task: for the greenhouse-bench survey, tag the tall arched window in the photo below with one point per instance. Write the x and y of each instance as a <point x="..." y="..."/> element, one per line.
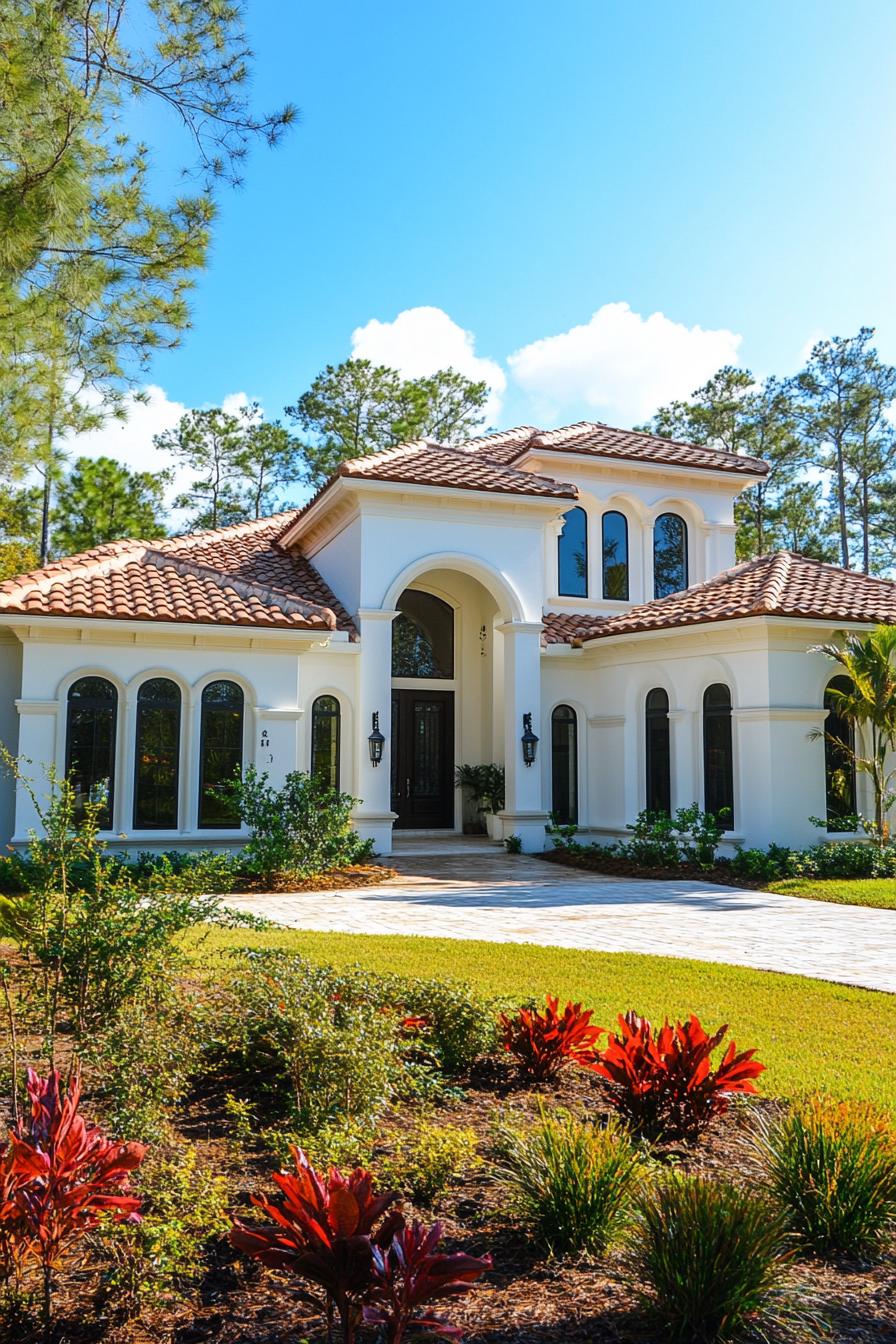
<point x="422" y="636"/>
<point x="220" y="752"/>
<point x="572" y="555"/>
<point x="325" y="740"/>
<point x="839" y="759"/>
<point x="91" y="716"/>
<point x="564" y="766"/>
<point x="157" y="754"/>
<point x="718" y="755"/>
<point x="614" y="538"/>
<point x="658" y="757"/>
<point x="670" y="555"/>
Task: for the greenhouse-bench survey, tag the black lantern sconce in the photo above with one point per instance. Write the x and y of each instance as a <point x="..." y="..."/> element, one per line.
<point x="376" y="741"/>
<point x="529" y="740"/>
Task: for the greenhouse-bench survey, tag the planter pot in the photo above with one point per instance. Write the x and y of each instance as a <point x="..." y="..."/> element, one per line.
<point x="494" y="826"/>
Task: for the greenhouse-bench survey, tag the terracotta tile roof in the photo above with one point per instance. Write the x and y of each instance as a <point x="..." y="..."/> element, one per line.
<point x="234" y="576"/>
<point x="597" y="440"/>
<point x="782" y="584"/>
<point x="424" y="462"/>
<point x="562" y="627"/>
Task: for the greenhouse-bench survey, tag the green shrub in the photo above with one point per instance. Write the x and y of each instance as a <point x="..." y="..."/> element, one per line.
<point x="571" y="1182"/>
<point x="205" y="872"/>
<point x="424" y="1163"/>
<point x="302" y="828"/>
<point x="661" y="841"/>
<point x="345" y="1144"/>
<point x="760" y="865"/>
<point x="832" y="1169"/>
<point x="184" y="1211"/>
<point x="709" y="1263"/>
<point x="315" y="1054"/>
<point x="700" y="834"/>
<point x="145" y="1058"/>
<point x="461" y="1025"/>
<point x="654" y="842"/>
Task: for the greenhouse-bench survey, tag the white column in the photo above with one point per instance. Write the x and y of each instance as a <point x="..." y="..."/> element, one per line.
<point x="373" y="816"/>
<point x="37" y="745"/>
<point x="524" y="811"/>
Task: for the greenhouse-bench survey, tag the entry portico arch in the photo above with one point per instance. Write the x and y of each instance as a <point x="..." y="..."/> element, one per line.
<point x="509" y="603"/>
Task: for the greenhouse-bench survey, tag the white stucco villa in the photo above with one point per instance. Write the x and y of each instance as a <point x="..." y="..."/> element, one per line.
<point x="432" y="606"/>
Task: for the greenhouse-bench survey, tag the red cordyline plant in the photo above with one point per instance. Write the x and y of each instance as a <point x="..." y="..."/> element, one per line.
<point x="663" y="1081"/>
<point x="411" y="1272"/>
<point x="336" y="1232"/>
<point x="543" y="1042"/>
<point x="59" y="1176"/>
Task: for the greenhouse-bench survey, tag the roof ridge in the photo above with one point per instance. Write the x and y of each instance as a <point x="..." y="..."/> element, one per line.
<point x="244" y="587"/>
<point x="246" y="526"/>
<point x="776" y="582"/>
<point x="99" y="560"/>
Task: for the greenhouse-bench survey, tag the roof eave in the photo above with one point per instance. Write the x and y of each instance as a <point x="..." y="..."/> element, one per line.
<point x="746" y="478"/>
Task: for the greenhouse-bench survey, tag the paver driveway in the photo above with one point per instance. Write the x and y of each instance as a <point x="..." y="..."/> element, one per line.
<point x="472" y="890"/>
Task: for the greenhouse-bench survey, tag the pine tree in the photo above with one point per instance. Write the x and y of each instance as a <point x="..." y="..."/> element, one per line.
<point x="102" y="501"/>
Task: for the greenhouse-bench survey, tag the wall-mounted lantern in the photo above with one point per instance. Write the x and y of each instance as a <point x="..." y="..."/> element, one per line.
<point x="529" y="740"/>
<point x="376" y="741"/>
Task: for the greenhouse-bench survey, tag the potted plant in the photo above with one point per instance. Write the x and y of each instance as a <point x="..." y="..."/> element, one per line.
<point x="472" y="780"/>
<point x="493" y="798"/>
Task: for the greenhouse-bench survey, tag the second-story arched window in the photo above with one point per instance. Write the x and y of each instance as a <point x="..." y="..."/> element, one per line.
<point x="157" y="754"/>
<point x="572" y="555"/>
<point x="670" y="555"/>
<point x="614" y="539"/>
<point x="91" y="719"/>
<point x="325" y="740"/>
<point x="718" y="754"/>
<point x="220" y="753"/>
<point x="839" y="757"/>
<point x="657" y="754"/>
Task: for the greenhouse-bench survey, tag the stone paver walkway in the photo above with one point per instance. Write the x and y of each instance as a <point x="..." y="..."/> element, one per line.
<point x="472" y="890"/>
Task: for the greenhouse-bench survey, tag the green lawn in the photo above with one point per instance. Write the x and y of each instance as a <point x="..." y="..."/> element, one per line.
<point x="876" y="891"/>
<point x="810" y="1034"/>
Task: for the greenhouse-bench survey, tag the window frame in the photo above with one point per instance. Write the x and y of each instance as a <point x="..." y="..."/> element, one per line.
<point x="685" y="546"/>
<point x="720" y="714"/>
<point x="201" y="771"/>
<point x="445" y="610"/>
<point x="652" y="716"/>
<point x="331" y="716"/>
<point x="607" y="596"/>
<point x="561" y="537"/>
<point x="112" y="705"/>
<point x="158" y="826"/>
<point x="572" y="767"/>
<point x="829" y="764"/>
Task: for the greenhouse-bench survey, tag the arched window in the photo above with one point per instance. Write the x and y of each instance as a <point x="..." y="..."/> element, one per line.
<point x="422" y="636"/>
<point x="564" y="766"/>
<point x="670" y="555"/>
<point x="572" y="555"/>
<point x="839" y="757"/>
<point x="91" y="717"/>
<point x="325" y="740"/>
<point x="220" y="752"/>
<point x="718" y="756"/>
<point x="614" y="537"/>
<point x="658" y="758"/>
<point x="157" y="754"/>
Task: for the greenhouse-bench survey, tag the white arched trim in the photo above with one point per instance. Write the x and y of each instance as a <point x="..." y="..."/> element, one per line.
<point x="346" y="732"/>
<point x="121" y="744"/>
<point x="581" y="756"/>
<point x="195" y="742"/>
<point x="184" y="755"/>
<point x="509" y="603"/>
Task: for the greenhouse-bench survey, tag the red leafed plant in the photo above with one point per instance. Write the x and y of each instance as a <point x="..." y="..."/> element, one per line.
<point x="543" y="1042"/>
<point x="323" y="1230"/>
<point x="410" y="1272"/>
<point x="663" y="1082"/>
<point x="337" y="1233"/>
<point x="59" y="1175"/>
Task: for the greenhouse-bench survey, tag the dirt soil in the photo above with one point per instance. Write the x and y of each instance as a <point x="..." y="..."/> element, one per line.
<point x="356" y="875"/>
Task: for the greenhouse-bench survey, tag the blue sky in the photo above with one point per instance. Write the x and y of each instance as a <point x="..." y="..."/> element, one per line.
<point x="513" y="169"/>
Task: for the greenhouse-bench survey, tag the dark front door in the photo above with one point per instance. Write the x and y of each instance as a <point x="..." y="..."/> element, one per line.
<point x="423" y="758"/>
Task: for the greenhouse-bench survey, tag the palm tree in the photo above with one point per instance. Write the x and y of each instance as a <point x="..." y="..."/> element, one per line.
<point x="870" y="704"/>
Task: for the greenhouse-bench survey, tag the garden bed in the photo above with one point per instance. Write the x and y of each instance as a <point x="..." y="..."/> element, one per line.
<point x="283" y="884"/>
<point x="598" y="861"/>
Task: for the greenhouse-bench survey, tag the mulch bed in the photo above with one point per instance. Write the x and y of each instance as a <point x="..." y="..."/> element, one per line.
<point x="594" y="862"/>
<point x="529" y="1298"/>
<point x="356" y="875"/>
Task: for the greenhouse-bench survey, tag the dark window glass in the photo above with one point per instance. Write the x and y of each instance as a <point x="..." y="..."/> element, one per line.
<point x="718" y="756"/>
<point x="670" y="555"/>
<point x="422" y="636"/>
<point x="220" y="752"/>
<point x="90" y="745"/>
<point x="564" y="766"/>
<point x="659" y="775"/>
<point x="572" y="555"/>
<point x="157" y="753"/>
<point x="325" y="740"/>
<point x="839" y="763"/>
<point x="614" y="536"/>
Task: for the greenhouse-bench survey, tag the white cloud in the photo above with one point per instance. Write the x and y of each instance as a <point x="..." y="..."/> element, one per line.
<point x="619" y="364"/>
<point x="423" y="340"/>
